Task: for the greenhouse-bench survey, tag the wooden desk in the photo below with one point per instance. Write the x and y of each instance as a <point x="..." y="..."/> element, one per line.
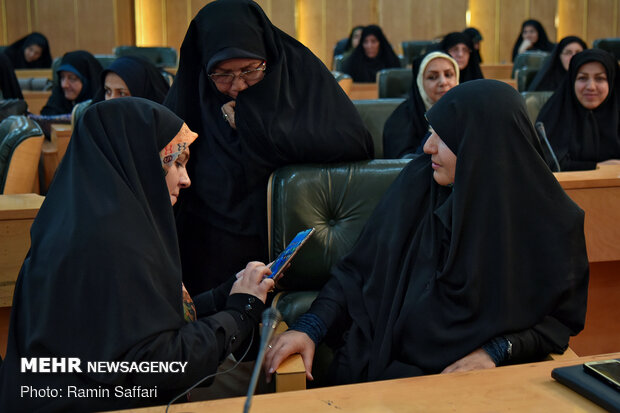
<point x="28" y="73"/>
<point x="361" y="91"/>
<point x="499" y="71"/>
<point x="522" y="388"/>
<point x="53" y="151"/>
<point x="597" y="192"/>
<point x="36" y="100"/>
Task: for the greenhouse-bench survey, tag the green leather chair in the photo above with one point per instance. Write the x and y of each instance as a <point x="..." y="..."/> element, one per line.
<point x="394" y="83"/>
<point x="18" y="168"/>
<point x="337" y="65"/>
<point x="612" y="45"/>
<point x="336" y="200"/>
<point x="78" y="111"/>
<point x="524" y="76"/>
<point x="159" y="56"/>
<point x="532" y="59"/>
<point x="534" y="101"/>
<point x="414" y="48"/>
<point x="105" y="59"/>
<point x="374" y="113"/>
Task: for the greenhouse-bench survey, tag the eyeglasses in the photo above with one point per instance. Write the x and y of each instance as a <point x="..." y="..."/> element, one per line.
<point x="248" y="75"/>
<point x="570" y="52"/>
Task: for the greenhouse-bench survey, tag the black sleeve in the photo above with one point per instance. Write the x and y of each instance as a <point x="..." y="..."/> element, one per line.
<point x="330" y="307"/>
<point x="568" y="164"/>
<point x="536" y="343"/>
<point x="214" y="300"/>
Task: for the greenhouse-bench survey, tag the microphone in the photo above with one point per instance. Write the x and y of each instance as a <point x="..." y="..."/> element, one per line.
<point x="271" y="319"/>
<point x="540" y="128"/>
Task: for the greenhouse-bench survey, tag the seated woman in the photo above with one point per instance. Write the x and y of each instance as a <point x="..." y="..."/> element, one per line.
<point x="551" y="74"/>
<point x="373" y="53"/>
<point x="346" y="46"/>
<point x="259" y="100"/>
<point x="452" y="271"/>
<point x="532" y="37"/>
<point x="30" y="52"/>
<point x="406" y="127"/>
<point x="582" y="117"/>
<point x="9" y="85"/>
<point x="79" y="76"/>
<point x="460" y="47"/>
<point x="132" y="76"/>
<point x="102" y="279"/>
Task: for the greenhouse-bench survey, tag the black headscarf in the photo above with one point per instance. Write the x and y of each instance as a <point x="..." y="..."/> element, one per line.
<point x="16" y="52"/>
<point x="296" y="114"/>
<point x="543" y="43"/>
<point x="581" y="137"/>
<point x="551" y="74"/>
<point x="406" y="127"/>
<point x="363" y="69"/>
<point x="102" y="279"/>
<point x="472" y="71"/>
<point x="88" y="69"/>
<point x="346" y="45"/>
<point x="142" y="78"/>
<point x="437" y="272"/>
<point x="476" y="37"/>
<point x="9" y="86"/>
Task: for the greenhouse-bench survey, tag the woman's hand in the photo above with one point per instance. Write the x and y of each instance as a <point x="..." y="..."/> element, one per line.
<point x="252" y="281"/>
<point x="285" y="344"/>
<point x="525" y="45"/>
<point x="228" y="111"/>
<point x="476" y="360"/>
<point x="609" y="162"/>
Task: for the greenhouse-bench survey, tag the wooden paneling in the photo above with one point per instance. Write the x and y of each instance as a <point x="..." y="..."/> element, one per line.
<point x="601" y="19"/>
<point x="18" y="22"/>
<point x="95" y="30"/>
<point x="57" y="21"/>
<point x="125" y="22"/>
<point x="589" y="19"/>
<point x="178" y="18"/>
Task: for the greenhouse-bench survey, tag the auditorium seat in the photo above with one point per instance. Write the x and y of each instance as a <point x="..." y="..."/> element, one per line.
<point x="374" y="113"/>
<point x="159" y="56"/>
<point x="534" y="101"/>
<point x="414" y="48"/>
<point x="533" y="59"/>
<point x="337" y="65"/>
<point x="611" y="44"/>
<point x="524" y="77"/>
<point x="20" y="150"/>
<point x="334" y="199"/>
<point x="394" y="83"/>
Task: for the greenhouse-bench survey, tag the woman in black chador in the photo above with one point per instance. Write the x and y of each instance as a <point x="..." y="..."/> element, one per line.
<point x="259" y="100"/>
<point x="460" y="47"/>
<point x="453" y="270"/>
<point x="582" y="117"/>
<point x="102" y="279"/>
<point x="372" y="54"/>
<point x="531" y="37"/>
<point x="132" y="76"/>
<point x="9" y="85"/>
<point x="551" y="74"/>
<point x="30" y="52"/>
<point x="79" y="76"/>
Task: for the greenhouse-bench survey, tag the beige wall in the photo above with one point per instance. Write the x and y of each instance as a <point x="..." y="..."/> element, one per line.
<point x="99" y="25"/>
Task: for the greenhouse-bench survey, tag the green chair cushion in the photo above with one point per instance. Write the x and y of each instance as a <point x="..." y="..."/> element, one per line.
<point x="534" y="101"/>
<point x="374" y="113"/>
<point x="394" y="83"/>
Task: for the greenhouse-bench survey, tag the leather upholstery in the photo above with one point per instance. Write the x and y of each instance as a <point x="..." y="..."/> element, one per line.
<point x="338" y="59"/>
<point x="78" y="111"/>
<point x="532" y="59"/>
<point x="394" y="83"/>
<point x="414" y="48"/>
<point x="374" y="113"/>
<point x="534" y="101"/>
<point x="13" y="131"/>
<point x="612" y="45"/>
<point x="159" y="56"/>
<point x="339" y="75"/>
<point x="524" y="76"/>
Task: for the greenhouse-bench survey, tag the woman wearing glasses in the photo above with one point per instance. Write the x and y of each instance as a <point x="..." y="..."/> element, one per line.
<point x="259" y="100"/>
<point x="550" y="76"/>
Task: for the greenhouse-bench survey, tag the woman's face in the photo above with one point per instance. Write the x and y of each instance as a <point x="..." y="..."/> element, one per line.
<point x="530" y="33"/>
<point x="591" y="85"/>
<point x="568" y="52"/>
<point x="115" y="87"/>
<point x="460" y="52"/>
<point x="371" y="46"/>
<point x="247" y="72"/>
<point x="438" y="78"/>
<point x="32" y="53"/>
<point x="71" y="85"/>
<point x="355" y="39"/>
<point x="442" y="158"/>
<point x="177" y="177"/>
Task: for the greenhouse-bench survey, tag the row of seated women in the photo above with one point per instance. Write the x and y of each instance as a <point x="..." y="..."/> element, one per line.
<point x="437" y="282"/>
<point x="374" y="53"/>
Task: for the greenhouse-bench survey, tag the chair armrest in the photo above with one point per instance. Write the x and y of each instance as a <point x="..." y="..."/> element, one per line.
<point x="291" y="374"/>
